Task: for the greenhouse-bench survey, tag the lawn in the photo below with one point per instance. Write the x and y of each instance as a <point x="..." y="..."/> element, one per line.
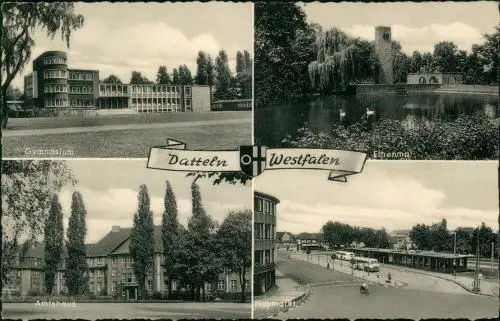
<point x="129" y="143"/>
<point x="147" y="118"/>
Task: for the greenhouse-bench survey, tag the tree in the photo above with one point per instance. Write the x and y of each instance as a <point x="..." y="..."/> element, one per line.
<point x="175" y="77"/>
<point x="240" y="62"/>
<point x="76" y="267"/>
<point x="13" y="93"/>
<point x="276" y="28"/>
<point x="20" y="20"/>
<point x="54" y="242"/>
<point x="222" y="76"/>
<point x="416" y="62"/>
<point x="200" y="246"/>
<point x="247" y="60"/>
<point x="420" y="235"/>
<point x="235" y="243"/>
<point x="445" y="56"/>
<point x="162" y="76"/>
<point x="463" y="241"/>
<point x="401" y="63"/>
<point x="112" y="79"/>
<point x="205" y="69"/>
<point x="28" y="187"/>
<point x="486" y="237"/>
<point x="218" y="177"/>
<point x="185" y="77"/>
<point x="138" y="79"/>
<point x="170" y="233"/>
<point x="142" y="240"/>
<point x="488" y="51"/>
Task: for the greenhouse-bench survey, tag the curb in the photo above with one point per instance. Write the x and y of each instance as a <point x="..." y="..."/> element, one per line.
<point x="293" y="303"/>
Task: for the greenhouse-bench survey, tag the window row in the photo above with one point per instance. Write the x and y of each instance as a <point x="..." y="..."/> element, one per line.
<point x="264" y="231"/>
<point x="55" y="88"/>
<point x="264" y="206"/>
<point x="145" y="101"/>
<point x="95" y="260"/>
<point x="81" y="89"/>
<point x="264" y="257"/>
<point x="48" y="74"/>
<point x="75" y="75"/>
<point x="54" y="60"/>
<point x="98" y="289"/>
<point x="98" y="273"/>
<point x="82" y="103"/>
<point x="56" y="102"/>
<point x="148" y="89"/>
<point x="125" y="262"/>
<point x="108" y="89"/>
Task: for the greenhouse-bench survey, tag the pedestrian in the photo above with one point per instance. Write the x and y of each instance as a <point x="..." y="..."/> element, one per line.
<point x="389" y="277"/>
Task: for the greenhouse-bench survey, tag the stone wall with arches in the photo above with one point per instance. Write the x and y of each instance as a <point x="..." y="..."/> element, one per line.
<point x="435" y="78"/>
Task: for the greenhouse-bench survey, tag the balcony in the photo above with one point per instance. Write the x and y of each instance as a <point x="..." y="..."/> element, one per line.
<point x="262" y="244"/>
<point x="261" y="268"/>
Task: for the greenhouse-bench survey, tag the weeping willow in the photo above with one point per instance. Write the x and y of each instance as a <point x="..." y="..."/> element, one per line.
<point x="336" y="60"/>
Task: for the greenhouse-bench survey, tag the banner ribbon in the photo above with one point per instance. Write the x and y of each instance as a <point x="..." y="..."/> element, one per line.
<point x="253" y="160"/>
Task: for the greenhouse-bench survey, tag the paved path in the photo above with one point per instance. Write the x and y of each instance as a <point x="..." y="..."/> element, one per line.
<point x="336" y="295"/>
<point x="278" y="298"/>
<point x="68" y="130"/>
<point x="93" y="311"/>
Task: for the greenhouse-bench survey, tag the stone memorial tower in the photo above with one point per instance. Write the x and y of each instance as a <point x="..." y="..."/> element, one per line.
<point x="383" y="50"/>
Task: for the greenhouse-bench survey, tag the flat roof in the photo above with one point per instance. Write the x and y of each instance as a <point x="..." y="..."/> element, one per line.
<point x="410" y="252"/>
<point x="264" y="195"/>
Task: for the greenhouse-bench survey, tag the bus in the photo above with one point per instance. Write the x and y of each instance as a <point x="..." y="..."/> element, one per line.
<point x="366" y="264"/>
<point x="343" y="255"/>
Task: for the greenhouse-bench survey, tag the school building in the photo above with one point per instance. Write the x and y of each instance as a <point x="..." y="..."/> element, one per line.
<point x="53" y="87"/>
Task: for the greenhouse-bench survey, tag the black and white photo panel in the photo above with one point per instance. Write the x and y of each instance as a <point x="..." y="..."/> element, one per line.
<point x="114" y="79"/>
<point x="94" y="239"/>
<point x="398" y="81"/>
<point x="402" y="239"/>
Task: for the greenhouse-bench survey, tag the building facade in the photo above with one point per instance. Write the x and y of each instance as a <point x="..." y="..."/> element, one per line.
<point x="265" y="253"/>
<point x="286" y="241"/>
<point x="54" y="87"/>
<point x="110" y="271"/>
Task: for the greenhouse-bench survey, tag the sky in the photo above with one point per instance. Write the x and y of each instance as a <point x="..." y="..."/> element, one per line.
<point x="416" y="25"/>
<point x="110" y="187"/>
<point x="392" y="194"/>
<point x="118" y="38"/>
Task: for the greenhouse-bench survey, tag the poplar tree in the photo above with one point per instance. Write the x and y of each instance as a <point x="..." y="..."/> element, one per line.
<point x="142" y="240"/>
<point x="201" y="244"/>
<point x="223" y="76"/>
<point x="76" y="267"/>
<point x="54" y="238"/>
<point x="170" y="233"/>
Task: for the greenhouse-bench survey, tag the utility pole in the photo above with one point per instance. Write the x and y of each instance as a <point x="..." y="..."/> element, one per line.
<point x="476" y="288"/>
<point x="492" y="255"/>
<point x="455" y="243"/>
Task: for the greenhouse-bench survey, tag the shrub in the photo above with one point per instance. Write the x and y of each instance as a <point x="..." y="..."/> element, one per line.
<point x="470" y="137"/>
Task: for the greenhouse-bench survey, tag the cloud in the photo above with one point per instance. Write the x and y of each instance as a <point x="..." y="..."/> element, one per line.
<point x="142" y="46"/>
<point x="423" y="38"/>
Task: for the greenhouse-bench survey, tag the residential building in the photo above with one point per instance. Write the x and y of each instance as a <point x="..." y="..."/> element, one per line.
<point x="265" y="253"/>
<point x="57" y="89"/>
<point x="286" y="241"/>
<point x="110" y="270"/>
<point x="400" y="240"/>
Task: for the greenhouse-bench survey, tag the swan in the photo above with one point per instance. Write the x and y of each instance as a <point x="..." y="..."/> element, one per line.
<point x="369" y="112"/>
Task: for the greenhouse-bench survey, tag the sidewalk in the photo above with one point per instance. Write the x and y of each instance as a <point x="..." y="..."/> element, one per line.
<point x="287" y="294"/>
<point x="489" y="288"/>
<point x="404" y="277"/>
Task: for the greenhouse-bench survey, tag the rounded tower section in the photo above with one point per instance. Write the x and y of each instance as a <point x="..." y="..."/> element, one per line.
<point x="52" y="73"/>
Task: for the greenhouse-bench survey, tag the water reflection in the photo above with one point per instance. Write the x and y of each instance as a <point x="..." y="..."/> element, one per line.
<point x="273" y="123"/>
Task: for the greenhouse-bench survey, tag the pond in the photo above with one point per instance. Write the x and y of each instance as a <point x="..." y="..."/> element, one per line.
<point x="273" y="123"/>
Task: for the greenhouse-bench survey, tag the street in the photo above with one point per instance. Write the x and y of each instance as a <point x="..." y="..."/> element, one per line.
<point x="336" y="295"/>
<point x="93" y="311"/>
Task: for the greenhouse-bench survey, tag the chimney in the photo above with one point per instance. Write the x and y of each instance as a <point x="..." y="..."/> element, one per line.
<point x="115" y="228"/>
